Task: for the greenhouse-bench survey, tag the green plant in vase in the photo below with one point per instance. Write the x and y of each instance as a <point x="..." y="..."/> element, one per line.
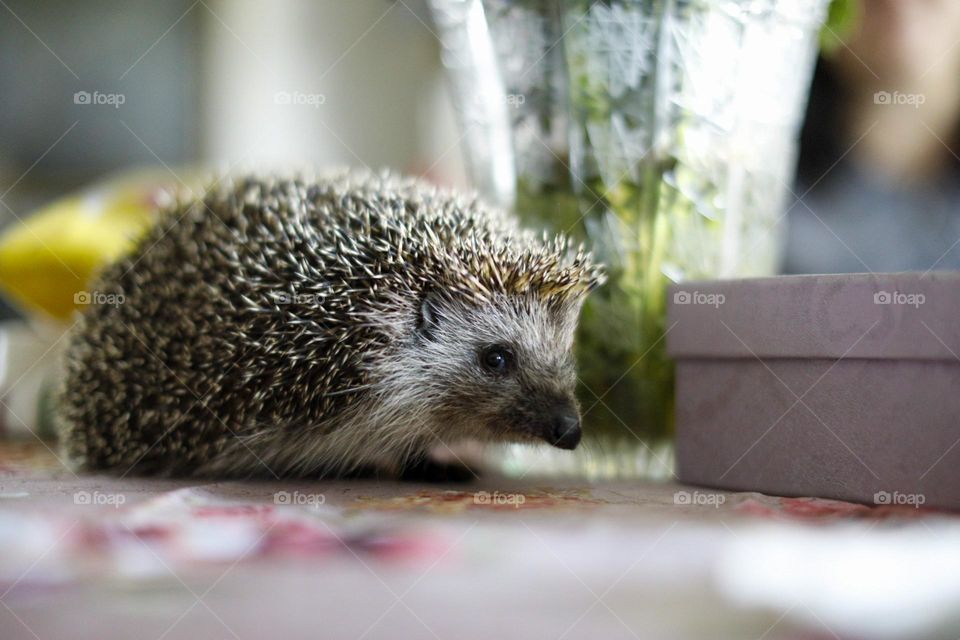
<point x="679" y="176"/>
<point x="626" y="378"/>
<point x="663" y="134"/>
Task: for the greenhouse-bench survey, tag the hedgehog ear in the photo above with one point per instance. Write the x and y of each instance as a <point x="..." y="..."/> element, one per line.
<point x="429" y="315"/>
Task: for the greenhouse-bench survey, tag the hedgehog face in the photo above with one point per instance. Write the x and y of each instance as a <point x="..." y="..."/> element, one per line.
<point x="501" y="370"/>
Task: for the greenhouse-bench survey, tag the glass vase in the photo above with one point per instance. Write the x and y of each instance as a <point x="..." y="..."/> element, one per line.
<point x="661" y="132"/>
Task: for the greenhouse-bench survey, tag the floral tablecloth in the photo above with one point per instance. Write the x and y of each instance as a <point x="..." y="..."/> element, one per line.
<point x="101" y="557"/>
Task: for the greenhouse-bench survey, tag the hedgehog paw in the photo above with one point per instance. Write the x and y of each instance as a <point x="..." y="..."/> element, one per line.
<point x="427" y="470"/>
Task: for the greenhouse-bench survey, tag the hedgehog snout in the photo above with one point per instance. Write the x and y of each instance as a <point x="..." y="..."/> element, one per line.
<point x="556" y="421"/>
<point x="564" y="430"/>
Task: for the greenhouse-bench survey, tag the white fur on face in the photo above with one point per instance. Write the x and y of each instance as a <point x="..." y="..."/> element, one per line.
<point x="435" y="376"/>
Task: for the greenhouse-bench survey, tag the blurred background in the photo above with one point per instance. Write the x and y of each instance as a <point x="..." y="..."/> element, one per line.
<point x="228" y="82"/>
<point x="879" y="171"/>
<point x="93" y="88"/>
<point x="205" y="81"/>
<point x="238" y="83"/>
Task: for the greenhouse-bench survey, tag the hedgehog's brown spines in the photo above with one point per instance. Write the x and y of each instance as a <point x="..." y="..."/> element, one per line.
<point x="250" y="315"/>
<point x="552" y="271"/>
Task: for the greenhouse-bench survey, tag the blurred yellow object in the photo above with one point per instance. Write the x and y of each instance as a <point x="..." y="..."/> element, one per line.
<point x="50" y="257"/>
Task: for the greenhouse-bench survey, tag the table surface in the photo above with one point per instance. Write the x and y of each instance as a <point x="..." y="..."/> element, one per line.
<point x="103" y="557"/>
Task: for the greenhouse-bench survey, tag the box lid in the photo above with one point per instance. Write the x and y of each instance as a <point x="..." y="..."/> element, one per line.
<point x="875" y="316"/>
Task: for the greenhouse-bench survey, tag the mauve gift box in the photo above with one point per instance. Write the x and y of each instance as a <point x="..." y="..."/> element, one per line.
<point x="839" y="386"/>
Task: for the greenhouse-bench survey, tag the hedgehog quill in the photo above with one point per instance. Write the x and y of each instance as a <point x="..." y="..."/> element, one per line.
<point x="320" y="326"/>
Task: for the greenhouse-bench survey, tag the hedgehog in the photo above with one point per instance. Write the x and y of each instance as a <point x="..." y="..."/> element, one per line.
<point x="320" y="326"/>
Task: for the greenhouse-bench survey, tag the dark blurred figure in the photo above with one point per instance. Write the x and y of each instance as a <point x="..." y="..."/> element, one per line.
<point x="879" y="172"/>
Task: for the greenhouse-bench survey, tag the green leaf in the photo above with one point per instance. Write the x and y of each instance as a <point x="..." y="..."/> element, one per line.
<point x="842" y="19"/>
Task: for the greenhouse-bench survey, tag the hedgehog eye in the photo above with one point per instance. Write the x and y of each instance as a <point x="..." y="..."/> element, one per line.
<point x="496" y="359"/>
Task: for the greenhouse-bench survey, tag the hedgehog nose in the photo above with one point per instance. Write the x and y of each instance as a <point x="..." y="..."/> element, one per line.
<point x="566" y="431"/>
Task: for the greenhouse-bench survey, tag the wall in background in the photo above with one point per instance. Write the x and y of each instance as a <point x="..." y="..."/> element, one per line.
<point x="51" y="50"/>
<point x="330" y="83"/>
<point x="239" y="83"/>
